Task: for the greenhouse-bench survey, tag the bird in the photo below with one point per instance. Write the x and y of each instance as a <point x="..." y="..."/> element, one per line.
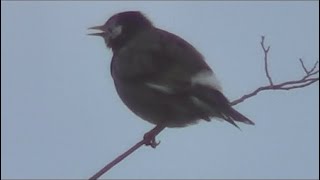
<point x="161" y="77"/>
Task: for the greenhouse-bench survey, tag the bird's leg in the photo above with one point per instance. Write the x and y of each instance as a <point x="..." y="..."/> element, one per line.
<point x="150" y="137"/>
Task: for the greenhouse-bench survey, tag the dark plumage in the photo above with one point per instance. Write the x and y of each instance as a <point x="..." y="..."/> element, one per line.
<point x="161" y="77"/>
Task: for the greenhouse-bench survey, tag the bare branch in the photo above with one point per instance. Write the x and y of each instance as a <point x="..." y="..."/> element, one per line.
<point x="117" y="160"/>
<point x="313" y="73"/>
<point x="312" y="70"/>
<point x="288" y="85"/>
<point x="265" y="51"/>
<point x="294" y="82"/>
<point x="314" y="67"/>
<point x="303" y="66"/>
<point x="299" y="86"/>
<point x="281" y="86"/>
<point x="148" y="140"/>
<point x="246" y="96"/>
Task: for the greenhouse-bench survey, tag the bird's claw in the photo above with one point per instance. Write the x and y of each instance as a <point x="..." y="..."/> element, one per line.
<point x="150" y="140"/>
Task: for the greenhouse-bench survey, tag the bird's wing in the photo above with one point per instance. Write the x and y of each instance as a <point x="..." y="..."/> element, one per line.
<point x="168" y="64"/>
<point x="185" y="71"/>
<point x="162" y="61"/>
<point x="182" y="65"/>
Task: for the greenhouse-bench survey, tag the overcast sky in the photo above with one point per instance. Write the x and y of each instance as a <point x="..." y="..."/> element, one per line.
<point x="61" y="116"/>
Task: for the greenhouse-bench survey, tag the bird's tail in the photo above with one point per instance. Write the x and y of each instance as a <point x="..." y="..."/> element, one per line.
<point x="220" y="105"/>
<point x="232" y="115"/>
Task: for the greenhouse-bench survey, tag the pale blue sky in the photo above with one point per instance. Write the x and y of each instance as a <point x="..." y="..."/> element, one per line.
<point x="61" y="116"/>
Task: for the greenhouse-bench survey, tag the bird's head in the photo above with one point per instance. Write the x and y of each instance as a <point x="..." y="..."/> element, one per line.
<point x="121" y="27"/>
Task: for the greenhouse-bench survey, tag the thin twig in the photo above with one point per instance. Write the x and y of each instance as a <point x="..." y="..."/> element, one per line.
<point x="298" y="86"/>
<point x="281" y="86"/>
<point x="265" y="51"/>
<point x="149" y="141"/>
<point x="303" y="66"/>
<point x="288" y="85"/>
<point x="117" y="160"/>
<point x="312" y="70"/>
<point x="314" y="66"/>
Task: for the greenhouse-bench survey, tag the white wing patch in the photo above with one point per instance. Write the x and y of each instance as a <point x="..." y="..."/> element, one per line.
<point x="161" y="88"/>
<point x="202" y="105"/>
<point x="206" y="78"/>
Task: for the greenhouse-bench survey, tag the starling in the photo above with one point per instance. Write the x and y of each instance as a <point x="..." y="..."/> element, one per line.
<point x="161" y="77"/>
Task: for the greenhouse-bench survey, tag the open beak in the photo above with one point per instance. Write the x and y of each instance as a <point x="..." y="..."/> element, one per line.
<point x="99" y="28"/>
